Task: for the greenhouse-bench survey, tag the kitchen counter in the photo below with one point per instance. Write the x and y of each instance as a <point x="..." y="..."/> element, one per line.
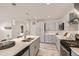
<point x="58" y="39"/>
<point x="61" y="37"/>
<point x="54" y="33"/>
<point x="75" y="51"/>
<point x="19" y="45"/>
<point x="50" y="33"/>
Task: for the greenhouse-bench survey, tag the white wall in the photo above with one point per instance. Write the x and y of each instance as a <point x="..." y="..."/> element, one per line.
<point x="40" y="10"/>
<point x="18" y="13"/>
<point x="73" y="27"/>
<point x="68" y="26"/>
<point x="51" y="26"/>
<point x="17" y="30"/>
<point x="4" y="32"/>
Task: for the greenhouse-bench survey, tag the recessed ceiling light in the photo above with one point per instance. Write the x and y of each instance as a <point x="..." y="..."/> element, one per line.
<point x="47" y="3"/>
<point x="48" y="16"/>
<point x="35" y="17"/>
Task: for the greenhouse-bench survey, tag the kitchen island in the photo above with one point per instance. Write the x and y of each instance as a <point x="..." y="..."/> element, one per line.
<point x="19" y="46"/>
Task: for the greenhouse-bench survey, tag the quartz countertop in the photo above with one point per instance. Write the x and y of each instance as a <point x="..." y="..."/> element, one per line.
<point x="50" y="33"/>
<point x="54" y="33"/>
<point x="19" y="45"/>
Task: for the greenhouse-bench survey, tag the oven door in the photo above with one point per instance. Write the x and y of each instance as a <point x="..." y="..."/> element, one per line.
<point x="63" y="51"/>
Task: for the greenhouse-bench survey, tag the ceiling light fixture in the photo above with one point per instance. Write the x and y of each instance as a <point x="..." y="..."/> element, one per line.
<point x="35" y="17"/>
<point x="48" y="16"/>
<point x="47" y="3"/>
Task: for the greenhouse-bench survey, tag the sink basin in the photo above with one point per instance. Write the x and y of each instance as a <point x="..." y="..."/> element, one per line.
<point x="27" y="40"/>
<point x="6" y="44"/>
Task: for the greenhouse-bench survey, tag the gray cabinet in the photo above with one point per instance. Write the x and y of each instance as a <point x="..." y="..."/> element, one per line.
<point x="50" y="38"/>
<point x="26" y="53"/>
<point x="37" y="45"/>
<point x="58" y="44"/>
<point x="34" y="47"/>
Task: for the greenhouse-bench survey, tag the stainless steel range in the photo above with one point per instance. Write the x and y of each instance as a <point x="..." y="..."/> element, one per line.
<point x="65" y="46"/>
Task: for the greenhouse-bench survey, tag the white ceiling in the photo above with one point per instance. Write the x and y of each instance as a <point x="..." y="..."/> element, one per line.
<point x="31" y="10"/>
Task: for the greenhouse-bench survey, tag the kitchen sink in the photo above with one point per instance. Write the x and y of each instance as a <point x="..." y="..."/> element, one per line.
<point x="6" y="44"/>
<point x="27" y="40"/>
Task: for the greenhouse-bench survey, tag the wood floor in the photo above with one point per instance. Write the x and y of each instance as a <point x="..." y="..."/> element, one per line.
<point x="48" y="50"/>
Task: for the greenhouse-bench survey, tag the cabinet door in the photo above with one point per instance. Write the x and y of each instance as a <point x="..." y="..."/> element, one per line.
<point x="50" y="39"/>
<point x="37" y="45"/>
<point x="58" y="43"/>
<point x="32" y="49"/>
<point x="26" y="53"/>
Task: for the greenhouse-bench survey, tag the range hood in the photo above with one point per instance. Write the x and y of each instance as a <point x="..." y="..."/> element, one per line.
<point x="74" y="16"/>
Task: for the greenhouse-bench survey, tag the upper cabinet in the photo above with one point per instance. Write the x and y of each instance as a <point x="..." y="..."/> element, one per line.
<point x="74" y="16"/>
<point x="76" y="6"/>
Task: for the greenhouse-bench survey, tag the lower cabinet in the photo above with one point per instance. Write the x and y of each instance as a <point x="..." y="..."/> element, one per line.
<point x="26" y="53"/>
<point x="30" y="50"/>
<point x="58" y="44"/>
<point x="34" y="47"/>
<point x="50" y="38"/>
<point x="37" y="46"/>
